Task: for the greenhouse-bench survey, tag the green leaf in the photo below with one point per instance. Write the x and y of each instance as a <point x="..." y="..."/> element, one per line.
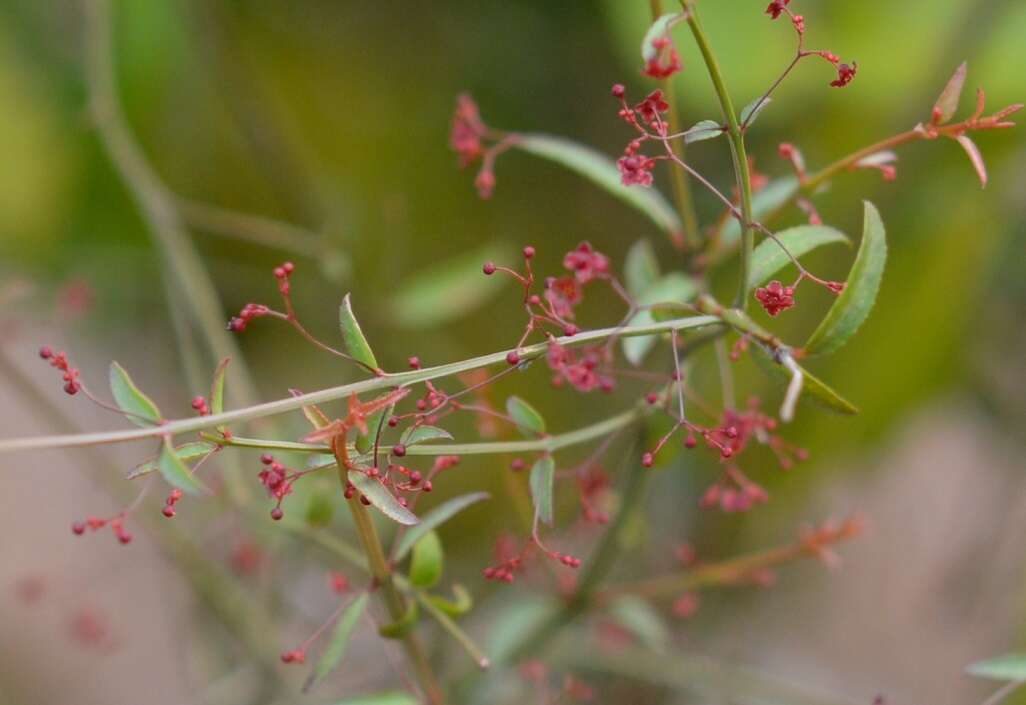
<point x="186" y="451"/>
<point x="435" y="518"/>
<point x="703" y="130"/>
<point x="775" y="194"/>
<point x="403" y="626"/>
<point x="422" y="434"/>
<point x="640" y="268"/>
<point x="320" y="507"/>
<point x="852" y="307"/>
<point x="353" y="340"/>
<point x="138" y="408"/>
<point x="388" y="698"/>
<point x="217" y="387"/>
<point x="525" y="416"/>
<point x="449" y="290"/>
<point x="379" y="495"/>
<point x="428" y="560"/>
<point x="601" y="170"/>
<point x="176" y="472"/>
<point x="768" y="257"/>
<point x="947" y="102"/>
<point x="812" y="385"/>
<point x="454" y="608"/>
<point x="659" y="28"/>
<point x="672" y="288"/>
<point x="1010" y="667"/>
<point x="752" y="110"/>
<point x="642" y="620"/>
<point x="340" y="638"/>
<point x="543" y="475"/>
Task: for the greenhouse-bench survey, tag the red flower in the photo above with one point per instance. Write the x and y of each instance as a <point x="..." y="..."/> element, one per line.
<point x="775" y="297"/>
<point x="844" y="75"/>
<point x="586" y="263"/>
<point x="776" y="8"/>
<point x="467" y="130"/>
<point x="563" y="294"/>
<point x="665" y="63"/>
<point x="635" y="171"/>
<point x="653" y="104"/>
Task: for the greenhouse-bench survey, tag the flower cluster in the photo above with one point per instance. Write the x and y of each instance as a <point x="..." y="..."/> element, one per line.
<point x="116" y="524"/>
<point x="59" y="360"/>
<point x="665" y="62"/>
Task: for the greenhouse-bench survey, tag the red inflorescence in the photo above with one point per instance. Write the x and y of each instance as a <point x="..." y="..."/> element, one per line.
<point x="776" y="8"/>
<point x="775" y="297"/>
<point x="60" y="361"/>
<point x="845" y="74"/>
<point x="666" y="61"/>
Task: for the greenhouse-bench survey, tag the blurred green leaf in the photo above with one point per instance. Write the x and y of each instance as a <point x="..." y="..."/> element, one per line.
<point x="852" y="307"/>
<point x="659" y="28"/>
<point x="601" y="170"/>
<point x="217" y="387"/>
<point x="1010" y="667"/>
<point x="427" y="562"/>
<point x="640" y="267"/>
<point x="353" y="340"/>
<point x="389" y="698"/>
<point x="525" y="416"/>
<point x="642" y="620"/>
<point x="378" y="495"/>
<point x="176" y="472"/>
<point x="672" y="288"/>
<point x="403" y="626"/>
<point x="458" y="607"/>
<point x="421" y="434"/>
<point x="186" y="451"/>
<point x="138" y="408"/>
<point x="320" y="507"/>
<point x="543" y="475"/>
<point x="703" y="130"/>
<point x="769" y="258"/>
<point x="751" y="111"/>
<point x="435" y="518"/>
<point x="947" y="103"/>
<point x="438" y="294"/>
<point x="339" y="643"/>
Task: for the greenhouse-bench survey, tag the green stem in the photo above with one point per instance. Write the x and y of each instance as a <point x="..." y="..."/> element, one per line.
<point x="325" y="395"/>
<point x="461" y="637"/>
<point x="737" y="152"/>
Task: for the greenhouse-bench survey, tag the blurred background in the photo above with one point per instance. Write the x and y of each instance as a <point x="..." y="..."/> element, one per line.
<point x="318" y="131"/>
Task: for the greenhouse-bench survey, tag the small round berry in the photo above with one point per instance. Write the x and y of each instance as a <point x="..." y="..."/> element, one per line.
<point x="488" y="268"/>
<point x="236" y="325"/>
<point x="652" y="397"/>
<point x="364" y="501"/>
<point x="78" y="528"/>
<point x="690" y="442"/>
<point x="727" y="452"/>
<point x="528" y="252"/>
<point x="414" y="362"/>
<point x="393" y="421"/>
<point x="125" y="538"/>
<point x="373" y="472"/>
<point x="398" y="450"/>
<point x="288" y="267"/>
<point x="647" y="460"/>
<point x="415" y="477"/>
<point x="517" y="465"/>
<point x="71" y="388"/>
<point x="266" y="458"/>
<point x="618" y="90"/>
<point x="570" y="330"/>
<point x="512" y="358"/>
<point x="534" y="299"/>
<point x="46" y="352"/>
<point x="428" y="486"/>
<point x="198" y="403"/>
<point x="287" y="657"/>
<point x="279" y="272"/>
<point x="168" y="511"/>
<point x="277" y="513"/>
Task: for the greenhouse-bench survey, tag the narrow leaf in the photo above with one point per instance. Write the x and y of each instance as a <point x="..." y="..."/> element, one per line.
<point x="812" y="387"/>
<point x="435" y="518"/>
<point x="427" y="562"/>
<point x="525" y="416"/>
<point x="543" y="475"/>
<point x="673" y="288"/>
<point x="449" y="290"/>
<point x="974" y="157"/>
<point x="601" y="170"/>
<point x="659" y="28"/>
<point x="852" y="307"/>
<point x="138" y="408"/>
<point x="769" y="258"/>
<point x="703" y="130"/>
<point x="217" y="387"/>
<point x="352" y="336"/>
<point x="186" y="451"/>
<point x="947" y="103"/>
<point x="388" y="698"/>
<point x="339" y="643"/>
<point x="404" y="625"/>
<point x="1010" y="667"/>
<point x="752" y="110"/>
<point x="640" y="268"/>
<point x="379" y="495"/>
<point x="421" y="434"/>
<point x="176" y="472"/>
<point x="458" y="607"/>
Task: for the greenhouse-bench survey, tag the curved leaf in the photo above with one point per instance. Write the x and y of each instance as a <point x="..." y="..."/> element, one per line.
<point x="768" y="257"/>
<point x="217" y="390"/>
<point x="186" y="451"/>
<point x="138" y="408"/>
<point x="435" y="518"/>
<point x="353" y="339"/>
<point x="703" y="130"/>
<point x="458" y="607"/>
<point x="600" y="169"/>
<point x="672" y="288"/>
<point x="525" y="416"/>
<point x="852" y="307"/>
<point x="947" y="103"/>
<point x="975" y="158"/>
<point x="378" y="495"/>
<point x="543" y="475"/>
<point x="752" y="110"/>
<point x="448" y="290"/>
<point x="340" y="638"/>
<point x="176" y="472"/>
<point x="1010" y="667"/>
<point x="812" y="386"/>
<point x="421" y="434"/>
<point x="403" y="626"/>
<point x="427" y="562"/>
